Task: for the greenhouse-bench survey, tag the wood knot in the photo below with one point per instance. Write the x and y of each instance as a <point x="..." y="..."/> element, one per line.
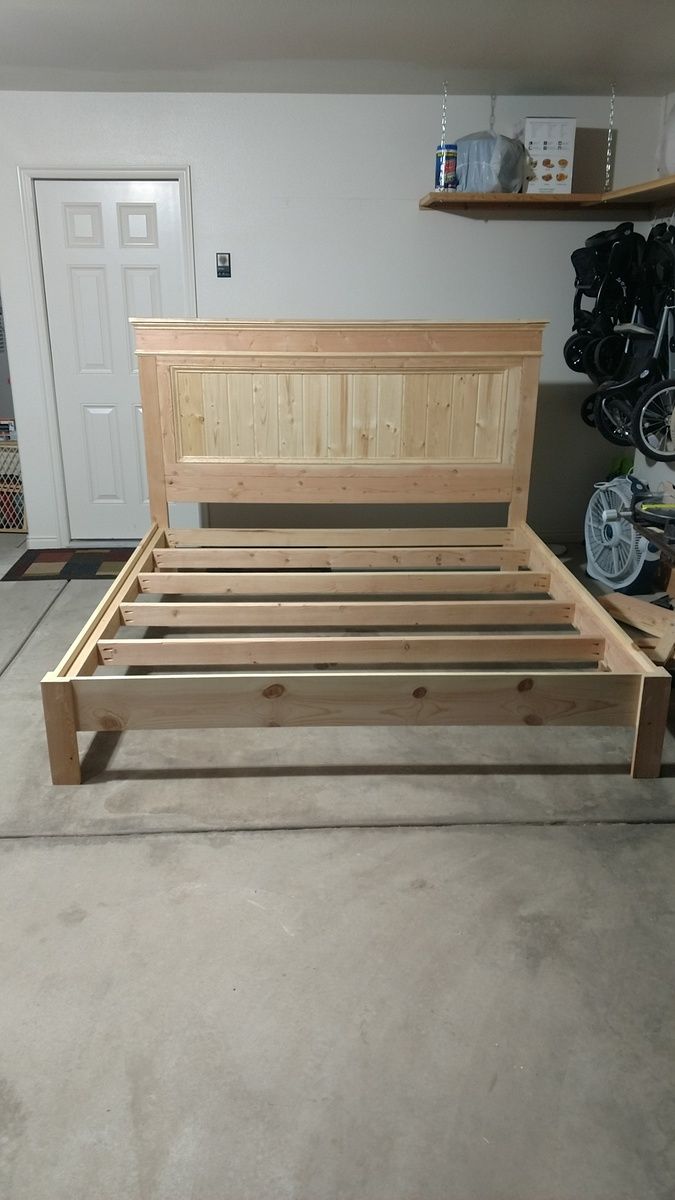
<point x="419" y="693"/>
<point x="274" y="690"/>
<point x="533" y="719"/>
<point x="111" y="723"/>
<point x="526" y="685"/>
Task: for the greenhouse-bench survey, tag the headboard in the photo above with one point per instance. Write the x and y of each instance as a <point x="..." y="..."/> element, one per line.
<point x="338" y="412"/>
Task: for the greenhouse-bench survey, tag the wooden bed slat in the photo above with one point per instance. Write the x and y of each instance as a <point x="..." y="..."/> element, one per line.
<point x="241" y="700"/>
<point x="344" y="583"/>
<point x="384" y="613"/>
<point x="389" y="537"/>
<point x="340" y="537"/>
<point x="302" y="651"/>
<point x="342" y="558"/>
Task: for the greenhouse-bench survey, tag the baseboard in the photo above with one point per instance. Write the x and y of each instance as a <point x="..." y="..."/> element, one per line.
<point x="44" y="543"/>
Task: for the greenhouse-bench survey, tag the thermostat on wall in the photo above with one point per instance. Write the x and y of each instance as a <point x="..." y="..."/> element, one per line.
<point x="223" y="265"/>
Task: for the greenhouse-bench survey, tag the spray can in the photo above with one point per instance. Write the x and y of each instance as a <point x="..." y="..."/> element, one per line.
<point x="446" y="167"/>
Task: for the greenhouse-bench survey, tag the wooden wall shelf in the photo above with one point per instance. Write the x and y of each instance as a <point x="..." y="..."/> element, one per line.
<point x="640" y="202"/>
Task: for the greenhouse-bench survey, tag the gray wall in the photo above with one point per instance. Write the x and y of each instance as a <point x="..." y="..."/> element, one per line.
<point x="6" y="406"/>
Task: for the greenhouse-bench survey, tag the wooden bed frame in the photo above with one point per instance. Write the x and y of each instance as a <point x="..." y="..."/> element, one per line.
<point x="388" y="626"/>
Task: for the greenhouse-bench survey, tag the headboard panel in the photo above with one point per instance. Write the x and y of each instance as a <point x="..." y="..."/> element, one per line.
<point x="309" y="412"/>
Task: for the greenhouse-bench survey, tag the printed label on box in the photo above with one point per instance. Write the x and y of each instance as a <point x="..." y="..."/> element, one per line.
<point x="549" y="142"/>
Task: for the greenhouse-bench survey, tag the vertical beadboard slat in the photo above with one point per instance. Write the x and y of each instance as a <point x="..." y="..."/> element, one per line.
<point x="216" y="414"/>
<point x="190" y="413"/>
<point x="509" y="423"/>
<point x="490" y="400"/>
<point x="289" y="403"/>
<point x="265" y="416"/>
<point x="240" y="397"/>
<point x="389" y="412"/>
<point x="463" y="424"/>
<point x="339" y="417"/>
<point x="364" y="408"/>
<point x="440" y="394"/>
<point x="414" y="415"/>
<point x="315" y="416"/>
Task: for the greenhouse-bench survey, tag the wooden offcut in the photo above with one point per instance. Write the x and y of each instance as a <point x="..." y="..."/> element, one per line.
<point x="657" y="622"/>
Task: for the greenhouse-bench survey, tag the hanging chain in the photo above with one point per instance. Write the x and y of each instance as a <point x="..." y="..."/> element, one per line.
<point x="493" y="104"/>
<point x="610" y="140"/>
<point x="444" y="113"/>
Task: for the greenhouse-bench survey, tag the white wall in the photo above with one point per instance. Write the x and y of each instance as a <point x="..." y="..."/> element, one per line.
<point x="316" y="199"/>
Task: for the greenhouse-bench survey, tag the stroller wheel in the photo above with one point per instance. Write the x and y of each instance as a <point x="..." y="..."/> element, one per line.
<point x="654" y="422"/>
<point x="654" y="510"/>
<point x="588" y="410"/>
<point x="588" y="360"/>
<point x="607" y="356"/>
<point x="613" y="418"/>
<point x="573" y="352"/>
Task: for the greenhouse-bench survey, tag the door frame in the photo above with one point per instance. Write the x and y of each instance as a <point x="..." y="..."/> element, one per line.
<point x="28" y="176"/>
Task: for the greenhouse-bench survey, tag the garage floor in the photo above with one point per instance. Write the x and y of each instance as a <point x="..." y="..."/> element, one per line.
<point x="328" y="965"/>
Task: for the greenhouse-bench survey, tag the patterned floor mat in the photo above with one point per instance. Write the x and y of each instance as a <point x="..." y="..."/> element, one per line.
<point x="69" y="564"/>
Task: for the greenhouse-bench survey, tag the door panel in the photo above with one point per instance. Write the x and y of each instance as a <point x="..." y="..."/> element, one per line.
<point x="142" y="298"/>
<point x="111" y="249"/>
<point x="90" y="317"/>
<point x="103" y="453"/>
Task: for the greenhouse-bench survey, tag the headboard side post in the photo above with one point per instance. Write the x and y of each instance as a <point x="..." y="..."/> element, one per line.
<point x="522" y="463"/>
<point x="152" y="433"/>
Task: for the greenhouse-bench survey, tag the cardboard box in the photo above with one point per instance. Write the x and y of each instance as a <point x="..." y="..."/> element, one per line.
<point x="549" y="142"/>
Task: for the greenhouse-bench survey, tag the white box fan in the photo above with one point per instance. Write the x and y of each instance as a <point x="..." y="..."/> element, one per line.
<point x="617" y="555"/>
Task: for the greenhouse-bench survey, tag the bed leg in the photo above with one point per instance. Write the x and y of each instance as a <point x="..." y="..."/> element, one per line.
<point x="59" y="709"/>
<point x="650" y="728"/>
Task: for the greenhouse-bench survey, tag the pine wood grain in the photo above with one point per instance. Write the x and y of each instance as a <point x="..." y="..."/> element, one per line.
<point x="344" y="583"/>
<point x="384" y="614"/>
<point x="435" y="649"/>
<point x="241" y="700"/>
<point x="339" y="558"/>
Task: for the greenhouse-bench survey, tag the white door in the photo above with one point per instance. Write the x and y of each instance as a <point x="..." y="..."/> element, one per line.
<point x="111" y="250"/>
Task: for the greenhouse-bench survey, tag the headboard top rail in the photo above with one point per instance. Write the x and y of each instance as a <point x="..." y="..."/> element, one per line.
<point x="159" y="336"/>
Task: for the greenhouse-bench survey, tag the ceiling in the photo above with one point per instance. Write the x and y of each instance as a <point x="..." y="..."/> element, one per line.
<point x="553" y="47"/>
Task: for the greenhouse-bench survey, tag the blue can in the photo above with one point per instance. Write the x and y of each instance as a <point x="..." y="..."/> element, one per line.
<point x="446" y="167"/>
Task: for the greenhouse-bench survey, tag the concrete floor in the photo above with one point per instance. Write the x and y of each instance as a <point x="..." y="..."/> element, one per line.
<point x="215" y="986"/>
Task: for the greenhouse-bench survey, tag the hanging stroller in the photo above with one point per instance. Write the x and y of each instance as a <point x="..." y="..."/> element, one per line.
<point x="607" y="271"/>
<point x="630" y="363"/>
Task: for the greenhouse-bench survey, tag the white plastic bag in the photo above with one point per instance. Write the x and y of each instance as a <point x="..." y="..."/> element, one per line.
<point x="490" y="162"/>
